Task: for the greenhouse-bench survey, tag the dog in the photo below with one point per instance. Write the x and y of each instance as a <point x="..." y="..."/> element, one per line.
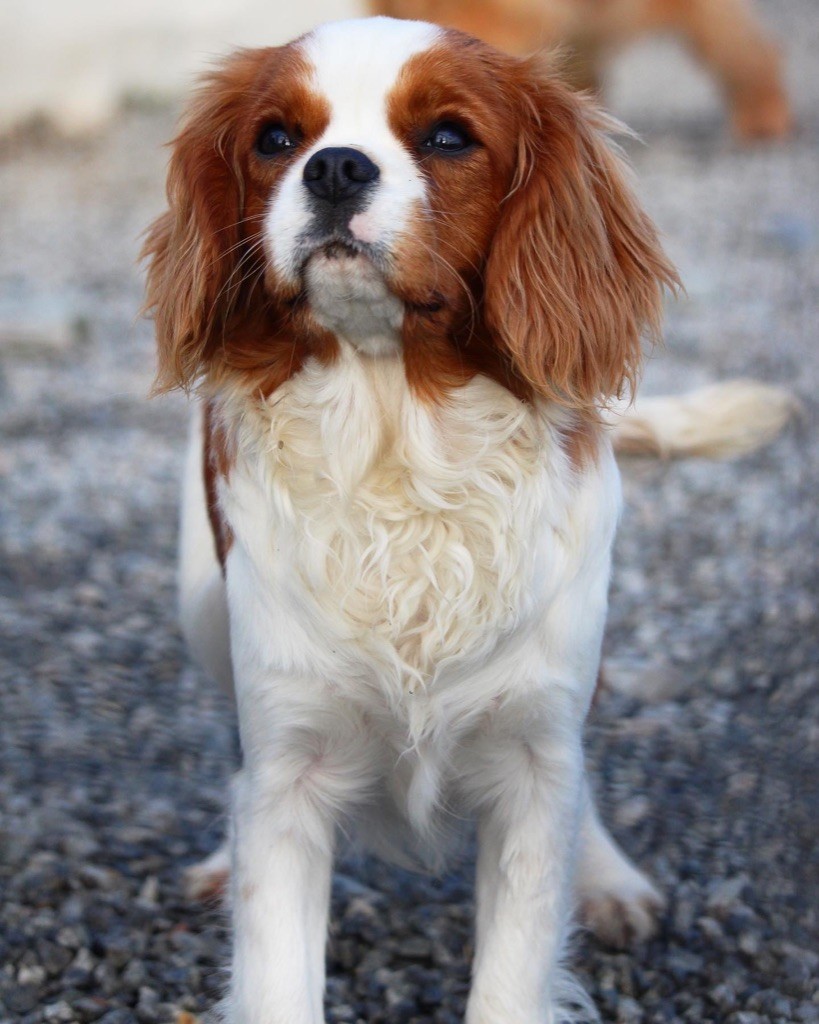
<point x="723" y="35"/>
<point x="408" y="279"/>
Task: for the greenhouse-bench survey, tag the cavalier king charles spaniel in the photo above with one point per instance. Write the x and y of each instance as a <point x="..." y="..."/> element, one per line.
<point x="405" y="273"/>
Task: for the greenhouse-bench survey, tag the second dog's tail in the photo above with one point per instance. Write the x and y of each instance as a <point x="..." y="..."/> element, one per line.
<point x="719" y="421"/>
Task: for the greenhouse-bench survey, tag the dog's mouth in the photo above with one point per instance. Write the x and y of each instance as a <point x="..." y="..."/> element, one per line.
<point x="338" y="250"/>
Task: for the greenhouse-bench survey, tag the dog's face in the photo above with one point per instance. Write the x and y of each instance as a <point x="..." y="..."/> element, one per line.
<point x="408" y="190"/>
<point x="361" y="217"/>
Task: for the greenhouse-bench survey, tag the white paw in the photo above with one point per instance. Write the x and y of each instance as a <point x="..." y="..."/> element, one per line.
<point x="208" y="879"/>
<point x="623" y="909"/>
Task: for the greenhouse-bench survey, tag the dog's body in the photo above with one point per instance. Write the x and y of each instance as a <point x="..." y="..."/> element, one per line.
<point x="723" y="35"/>
<point x="404" y="285"/>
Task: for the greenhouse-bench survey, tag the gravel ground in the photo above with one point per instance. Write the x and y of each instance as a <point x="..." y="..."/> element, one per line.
<point x="114" y="751"/>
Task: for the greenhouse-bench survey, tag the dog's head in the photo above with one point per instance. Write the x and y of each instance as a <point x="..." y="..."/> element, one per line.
<point x="403" y="188"/>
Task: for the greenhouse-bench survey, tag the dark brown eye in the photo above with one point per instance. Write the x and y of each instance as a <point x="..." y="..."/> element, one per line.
<point x="448" y="137"/>
<point x="273" y="140"/>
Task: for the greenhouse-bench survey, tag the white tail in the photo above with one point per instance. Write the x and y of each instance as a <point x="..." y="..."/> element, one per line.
<point x="718" y="422"/>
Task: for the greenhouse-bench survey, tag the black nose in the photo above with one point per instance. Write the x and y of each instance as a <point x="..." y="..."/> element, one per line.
<point x="338" y="173"/>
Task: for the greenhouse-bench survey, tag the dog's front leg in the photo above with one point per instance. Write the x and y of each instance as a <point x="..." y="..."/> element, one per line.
<point x="282" y="859"/>
<point x="526" y="840"/>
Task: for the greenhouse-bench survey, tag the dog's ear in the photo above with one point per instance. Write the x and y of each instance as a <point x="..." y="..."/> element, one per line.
<point x="193" y="249"/>
<point x="575" y="273"/>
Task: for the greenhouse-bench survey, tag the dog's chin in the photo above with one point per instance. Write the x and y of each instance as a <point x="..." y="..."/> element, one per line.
<point x="348" y="295"/>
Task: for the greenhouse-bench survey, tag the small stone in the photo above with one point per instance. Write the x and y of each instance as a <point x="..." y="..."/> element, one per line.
<point x="89" y="1008"/>
<point x="725" y="892"/>
<point x="134" y="974"/>
<point x="711" y="929"/>
<point x="629" y="1010"/>
<point x="58" y="1013"/>
<point x="631" y="812"/>
<point x="808" y="957"/>
<point x="723" y="996"/>
<point x="54" y="958"/>
<point x="70" y="937"/>
<point x="118" y="1016"/>
<point x="682" y="964"/>
<point x="341" y="1014"/>
<point x="31" y="975"/>
<point x="750" y="943"/>
<point x="96" y="877"/>
<point x="414" y="948"/>
<point x="20" y="998"/>
<point x="149" y="892"/>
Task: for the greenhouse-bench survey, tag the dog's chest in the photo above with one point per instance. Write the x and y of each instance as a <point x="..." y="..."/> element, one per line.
<point x="399" y="529"/>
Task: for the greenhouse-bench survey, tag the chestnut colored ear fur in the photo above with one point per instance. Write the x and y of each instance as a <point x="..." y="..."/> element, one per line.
<point x="575" y="274"/>
<point x="194" y="248"/>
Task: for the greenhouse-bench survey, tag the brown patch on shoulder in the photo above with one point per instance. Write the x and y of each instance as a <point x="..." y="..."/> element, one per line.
<point x="217" y="461"/>
<point x="262" y="356"/>
<point x="581" y="441"/>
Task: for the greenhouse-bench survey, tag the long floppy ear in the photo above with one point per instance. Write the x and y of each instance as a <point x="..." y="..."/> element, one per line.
<point x="194" y="247"/>
<point x="575" y="273"/>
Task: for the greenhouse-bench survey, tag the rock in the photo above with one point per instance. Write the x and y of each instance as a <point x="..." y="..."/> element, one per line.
<point x="724" y="893"/>
<point x="20" y="999"/>
<point x="58" y="1013"/>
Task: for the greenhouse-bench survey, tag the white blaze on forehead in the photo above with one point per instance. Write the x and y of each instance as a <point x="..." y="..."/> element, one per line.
<point x="354" y="65"/>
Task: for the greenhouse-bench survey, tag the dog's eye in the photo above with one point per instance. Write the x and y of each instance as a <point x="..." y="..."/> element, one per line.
<point x="447" y="137"/>
<point x="273" y="139"/>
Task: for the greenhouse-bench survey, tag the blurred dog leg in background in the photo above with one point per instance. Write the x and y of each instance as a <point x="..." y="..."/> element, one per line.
<point x="723" y="35"/>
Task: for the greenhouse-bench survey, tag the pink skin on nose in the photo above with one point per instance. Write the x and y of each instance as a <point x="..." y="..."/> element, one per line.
<point x="363" y="229"/>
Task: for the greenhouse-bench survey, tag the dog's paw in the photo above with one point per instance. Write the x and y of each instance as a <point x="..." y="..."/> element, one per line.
<point x="763" y="118"/>
<point x="208" y="879"/>
<point x="624" y="913"/>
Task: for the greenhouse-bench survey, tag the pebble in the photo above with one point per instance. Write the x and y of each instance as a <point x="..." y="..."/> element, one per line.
<point x="89" y="1008"/>
<point x="58" y="1013"/>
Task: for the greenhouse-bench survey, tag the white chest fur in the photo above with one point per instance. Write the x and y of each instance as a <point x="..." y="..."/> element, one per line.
<point x="406" y="534"/>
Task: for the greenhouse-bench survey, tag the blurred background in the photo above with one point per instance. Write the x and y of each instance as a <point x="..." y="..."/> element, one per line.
<point x="115" y="751"/>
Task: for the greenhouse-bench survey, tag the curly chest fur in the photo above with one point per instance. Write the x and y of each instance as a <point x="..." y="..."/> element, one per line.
<point x="402" y="529"/>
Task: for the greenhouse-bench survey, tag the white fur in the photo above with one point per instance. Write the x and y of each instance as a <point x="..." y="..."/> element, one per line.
<point x="417" y="598"/>
<point x="719" y="421"/>
<point x="354" y="64"/>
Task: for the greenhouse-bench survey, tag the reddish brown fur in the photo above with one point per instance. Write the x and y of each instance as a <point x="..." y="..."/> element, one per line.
<point x="533" y="263"/>
<point x="218" y="311"/>
<point x="440" y="266"/>
<point x="575" y="273"/>
<point x="546" y="271"/>
<point x="723" y="35"/>
<point x="217" y="460"/>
